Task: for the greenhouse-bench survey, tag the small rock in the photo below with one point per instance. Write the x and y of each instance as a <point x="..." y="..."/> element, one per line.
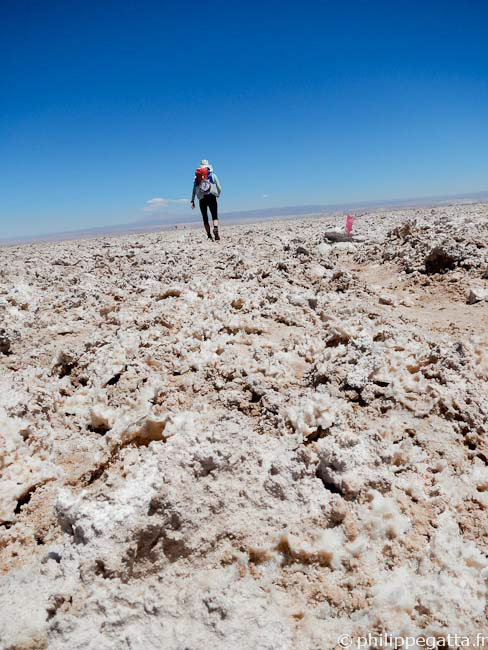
<point x="386" y="300"/>
<point x="345" y="246"/>
<point x="338" y="511"/>
<point x="316" y="271"/>
<point x="477" y="295"/>
<point x="4" y="342"/>
<point x="324" y="249"/>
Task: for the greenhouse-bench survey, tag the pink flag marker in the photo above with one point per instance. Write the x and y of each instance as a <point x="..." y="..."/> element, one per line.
<point x="349" y="222"/>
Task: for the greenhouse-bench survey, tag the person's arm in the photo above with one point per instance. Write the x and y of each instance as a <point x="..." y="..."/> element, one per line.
<point x="193" y="193"/>
<point x="217" y="183"/>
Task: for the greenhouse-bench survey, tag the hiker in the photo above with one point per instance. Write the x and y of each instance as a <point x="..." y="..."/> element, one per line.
<point x="206" y="187"/>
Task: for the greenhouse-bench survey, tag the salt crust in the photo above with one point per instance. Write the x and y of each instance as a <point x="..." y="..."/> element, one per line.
<point x="248" y="453"/>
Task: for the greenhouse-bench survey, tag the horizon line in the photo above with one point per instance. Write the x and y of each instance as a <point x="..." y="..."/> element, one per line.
<point x="158" y="223"/>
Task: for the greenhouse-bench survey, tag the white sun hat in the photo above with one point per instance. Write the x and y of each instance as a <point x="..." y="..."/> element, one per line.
<point x="204" y="163"/>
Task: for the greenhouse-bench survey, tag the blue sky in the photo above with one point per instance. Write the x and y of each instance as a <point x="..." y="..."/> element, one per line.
<point x="106" y="105"/>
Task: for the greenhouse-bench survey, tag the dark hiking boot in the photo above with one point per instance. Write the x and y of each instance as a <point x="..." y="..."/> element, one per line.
<point x="216" y="234"/>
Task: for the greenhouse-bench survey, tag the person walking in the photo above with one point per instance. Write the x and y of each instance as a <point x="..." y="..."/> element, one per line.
<point x="207" y="188"/>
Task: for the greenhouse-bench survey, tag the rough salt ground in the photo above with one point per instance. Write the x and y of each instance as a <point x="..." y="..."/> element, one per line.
<point x="244" y="444"/>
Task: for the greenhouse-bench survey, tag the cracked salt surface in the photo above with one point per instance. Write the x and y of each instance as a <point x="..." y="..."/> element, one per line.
<point x="262" y="443"/>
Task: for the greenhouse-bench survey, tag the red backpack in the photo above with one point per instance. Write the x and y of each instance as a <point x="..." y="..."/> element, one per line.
<point x="204" y="179"/>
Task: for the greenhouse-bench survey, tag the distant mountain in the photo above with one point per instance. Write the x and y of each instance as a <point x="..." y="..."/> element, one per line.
<point x="324" y="208"/>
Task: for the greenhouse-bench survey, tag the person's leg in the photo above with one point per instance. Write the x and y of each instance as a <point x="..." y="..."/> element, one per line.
<point x="203" y="210"/>
<point x="212" y="204"/>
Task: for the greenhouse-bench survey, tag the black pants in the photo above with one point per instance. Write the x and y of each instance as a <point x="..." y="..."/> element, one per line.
<point x="208" y="201"/>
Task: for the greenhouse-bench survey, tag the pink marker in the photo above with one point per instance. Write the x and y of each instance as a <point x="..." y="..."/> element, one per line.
<point x="349" y="222"/>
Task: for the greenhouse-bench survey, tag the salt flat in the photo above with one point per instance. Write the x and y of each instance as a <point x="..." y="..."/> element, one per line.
<point x="260" y="443"/>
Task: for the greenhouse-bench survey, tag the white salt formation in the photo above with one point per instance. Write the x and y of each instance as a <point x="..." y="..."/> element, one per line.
<point x="261" y="443"/>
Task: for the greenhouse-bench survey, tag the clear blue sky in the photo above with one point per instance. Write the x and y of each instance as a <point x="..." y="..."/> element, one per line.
<point x="105" y="105"/>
